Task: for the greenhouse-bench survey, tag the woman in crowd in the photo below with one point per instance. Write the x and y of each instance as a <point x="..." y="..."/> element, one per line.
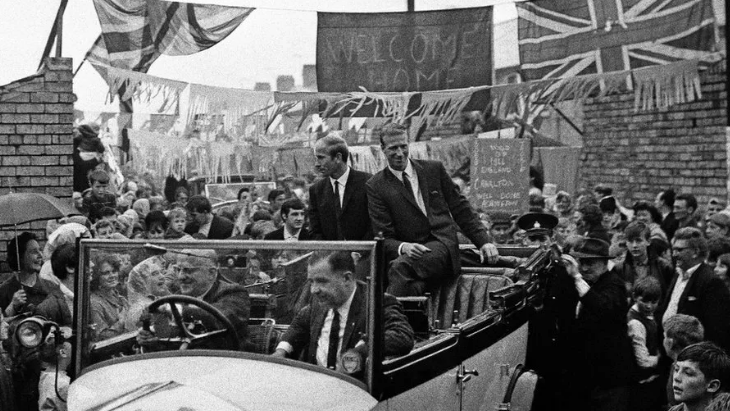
<point x="722" y="267"/>
<point x="108" y="308"/>
<point x="26" y="291"/>
<point x="181" y="196"/>
<point x="157" y="224"/>
<point x="65" y="234"/>
<point x="147" y="281"/>
<point x="563" y="205"/>
<point x="63" y="263"/>
<point x="717" y="226"/>
<point x="142" y="207"/>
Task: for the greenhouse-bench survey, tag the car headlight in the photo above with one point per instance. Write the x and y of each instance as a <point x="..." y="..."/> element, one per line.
<point x="29" y="333"/>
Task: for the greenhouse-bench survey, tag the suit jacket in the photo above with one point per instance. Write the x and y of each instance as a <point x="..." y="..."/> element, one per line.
<point x="278" y="234"/>
<point x="395" y="213"/>
<point x="707" y="298"/>
<point x="303" y="333"/>
<point x="354" y="220"/>
<point x="599" y="346"/>
<point x="220" y="228"/>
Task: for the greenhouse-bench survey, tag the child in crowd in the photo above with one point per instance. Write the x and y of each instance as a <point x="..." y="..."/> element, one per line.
<point x="98" y="197"/>
<point x="701" y="372"/>
<point x="103" y="229"/>
<point x="680" y="331"/>
<point x="646" y="392"/>
<point x="177" y="218"/>
<point x="54" y="381"/>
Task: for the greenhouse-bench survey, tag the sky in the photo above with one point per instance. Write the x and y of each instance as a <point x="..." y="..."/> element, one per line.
<point x="270" y="42"/>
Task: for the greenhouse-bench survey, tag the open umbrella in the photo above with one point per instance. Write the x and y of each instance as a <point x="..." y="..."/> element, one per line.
<point x="20" y="208"/>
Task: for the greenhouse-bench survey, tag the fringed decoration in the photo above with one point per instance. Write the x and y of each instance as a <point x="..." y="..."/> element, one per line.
<point x="391" y="105"/>
<point x="231" y="104"/>
<point x="158" y="153"/>
<point x="663" y="86"/>
<point x="418" y="150"/>
<point x="367" y="158"/>
<point x="144" y="87"/>
<point x="441" y="107"/>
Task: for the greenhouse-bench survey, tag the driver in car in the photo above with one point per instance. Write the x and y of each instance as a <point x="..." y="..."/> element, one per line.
<point x="197" y="276"/>
<point x="331" y="330"/>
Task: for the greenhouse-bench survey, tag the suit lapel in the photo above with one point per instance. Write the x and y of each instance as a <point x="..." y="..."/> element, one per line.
<point x="348" y="189"/>
<point x="422" y="184"/>
<point x="352" y="317"/>
<point x="319" y="312"/>
<point x="400" y="188"/>
<point x="689" y="288"/>
<point x="328" y="197"/>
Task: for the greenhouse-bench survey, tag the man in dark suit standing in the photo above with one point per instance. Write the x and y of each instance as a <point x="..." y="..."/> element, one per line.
<point x="695" y="290"/>
<point x="597" y="354"/>
<point x="334" y="323"/>
<point x="416" y="207"/>
<point x="292" y="213"/>
<point x="338" y="203"/>
<point x="204" y="222"/>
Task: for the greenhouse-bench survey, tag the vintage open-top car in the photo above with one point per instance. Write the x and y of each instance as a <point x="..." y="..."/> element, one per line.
<point x="471" y="334"/>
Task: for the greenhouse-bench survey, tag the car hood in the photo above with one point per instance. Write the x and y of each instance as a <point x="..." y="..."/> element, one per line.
<point x="213" y="380"/>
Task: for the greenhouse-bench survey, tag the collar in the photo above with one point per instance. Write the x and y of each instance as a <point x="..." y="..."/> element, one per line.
<point x="342" y="180"/>
<point x="288" y="234"/>
<point x="686" y="275"/>
<point x="345" y="307"/>
<point x="399" y="174"/>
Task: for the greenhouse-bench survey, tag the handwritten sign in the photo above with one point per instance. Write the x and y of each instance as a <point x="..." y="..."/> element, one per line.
<point x="416" y="51"/>
<point x="500" y="175"/>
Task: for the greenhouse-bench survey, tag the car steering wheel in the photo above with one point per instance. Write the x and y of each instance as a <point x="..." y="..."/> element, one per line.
<point x="187" y="338"/>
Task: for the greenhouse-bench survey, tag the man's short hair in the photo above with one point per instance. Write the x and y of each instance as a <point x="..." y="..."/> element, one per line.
<point x="668" y="196"/>
<point x="98" y="175"/>
<point x="339" y="261"/>
<point x="648" y="288"/>
<point x="275" y="193"/>
<point x="392" y="129"/>
<point x="712" y="360"/>
<point x="637" y="229"/>
<point x="334" y="145"/>
<point x="684" y="330"/>
<point x="201" y="255"/>
<point x="107" y="212"/>
<point x="689" y="198"/>
<point x="694" y="238"/>
<point x="656" y="216"/>
<point x="592" y="215"/>
<point x="198" y="204"/>
<point x="292" y="204"/>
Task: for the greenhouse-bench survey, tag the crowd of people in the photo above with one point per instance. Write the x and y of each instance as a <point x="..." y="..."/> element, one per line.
<point x="642" y="292"/>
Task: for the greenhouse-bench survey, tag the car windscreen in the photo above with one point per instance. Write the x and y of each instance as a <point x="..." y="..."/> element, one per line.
<point x="136" y="296"/>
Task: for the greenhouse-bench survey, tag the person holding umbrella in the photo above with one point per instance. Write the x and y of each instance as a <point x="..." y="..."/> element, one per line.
<point x="26" y="291"/>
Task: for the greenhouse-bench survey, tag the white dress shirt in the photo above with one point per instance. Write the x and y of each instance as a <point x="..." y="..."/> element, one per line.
<point x="323" y="343"/>
<point x="341" y="181"/>
<point x="324" y="338"/>
<point x="289" y="236"/>
<point x="413" y="178"/>
<point x="679" y="286"/>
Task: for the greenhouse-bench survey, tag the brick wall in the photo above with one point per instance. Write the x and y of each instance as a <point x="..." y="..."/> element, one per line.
<point x="36" y="126"/>
<point x="642" y="153"/>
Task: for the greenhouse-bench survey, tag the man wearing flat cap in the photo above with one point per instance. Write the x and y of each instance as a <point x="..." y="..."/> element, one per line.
<point x="599" y="367"/>
<point x="538" y="228"/>
<point x="500" y="227"/>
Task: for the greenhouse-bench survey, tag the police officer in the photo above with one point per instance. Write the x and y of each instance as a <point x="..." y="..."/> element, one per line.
<point x="538" y="228"/>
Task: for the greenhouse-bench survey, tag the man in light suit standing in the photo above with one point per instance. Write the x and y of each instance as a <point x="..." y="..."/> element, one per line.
<point x="338" y="203"/>
<point x="417" y="208"/>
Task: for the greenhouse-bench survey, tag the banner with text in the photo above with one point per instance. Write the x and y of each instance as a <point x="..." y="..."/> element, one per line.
<point x="416" y="51"/>
<point x="500" y="175"/>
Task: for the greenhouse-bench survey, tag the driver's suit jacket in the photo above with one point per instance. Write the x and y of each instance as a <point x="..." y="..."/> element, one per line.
<point x="306" y="327"/>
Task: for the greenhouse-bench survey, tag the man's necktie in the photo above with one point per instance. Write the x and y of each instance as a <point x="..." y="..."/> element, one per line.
<point x="334" y="341"/>
<point x="407" y="183"/>
<point x="338" y="203"/>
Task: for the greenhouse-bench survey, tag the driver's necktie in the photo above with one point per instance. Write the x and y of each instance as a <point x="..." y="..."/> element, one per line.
<point x="334" y="341"/>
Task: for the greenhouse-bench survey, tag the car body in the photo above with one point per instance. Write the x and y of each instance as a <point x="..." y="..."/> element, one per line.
<point x="468" y="347"/>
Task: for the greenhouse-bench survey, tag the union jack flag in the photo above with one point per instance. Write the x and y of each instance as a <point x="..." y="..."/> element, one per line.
<point x="136" y="32"/>
<point x="566" y="38"/>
